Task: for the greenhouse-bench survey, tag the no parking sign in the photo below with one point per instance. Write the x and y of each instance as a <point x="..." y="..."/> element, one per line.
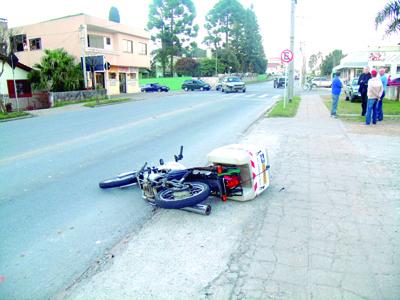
<point x="286" y="56"/>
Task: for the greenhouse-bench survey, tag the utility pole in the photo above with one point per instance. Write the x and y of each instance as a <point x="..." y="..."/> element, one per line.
<point x="291" y="64"/>
<point x="83" y="36"/>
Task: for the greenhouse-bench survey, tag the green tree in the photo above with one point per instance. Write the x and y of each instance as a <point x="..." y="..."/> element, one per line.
<point x="6" y="48"/>
<point x="186" y="66"/>
<point x="224" y="23"/>
<point x="207" y="67"/>
<point x="390" y="14"/>
<point x="314" y="61"/>
<point x="56" y="72"/>
<point x="253" y="57"/>
<point x="331" y="60"/>
<point x="227" y="61"/>
<point x="172" y="25"/>
<point x="113" y="15"/>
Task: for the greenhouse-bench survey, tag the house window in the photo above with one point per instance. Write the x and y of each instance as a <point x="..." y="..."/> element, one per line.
<point x="132" y="76"/>
<point x="19" y="42"/>
<point x="35" y="44"/>
<point x="142" y="49"/>
<point x="108" y="41"/>
<point x="95" y="41"/>
<point x="23" y="88"/>
<point x="112" y="75"/>
<point x="127" y="46"/>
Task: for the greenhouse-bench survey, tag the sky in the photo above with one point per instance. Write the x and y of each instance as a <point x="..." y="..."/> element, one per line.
<point x="321" y="25"/>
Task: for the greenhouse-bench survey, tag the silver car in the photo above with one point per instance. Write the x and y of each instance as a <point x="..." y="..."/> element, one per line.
<point x="233" y="84"/>
<point x="351" y="90"/>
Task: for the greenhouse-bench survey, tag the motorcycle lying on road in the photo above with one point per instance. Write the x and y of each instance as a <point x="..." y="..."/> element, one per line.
<point x="172" y="186"/>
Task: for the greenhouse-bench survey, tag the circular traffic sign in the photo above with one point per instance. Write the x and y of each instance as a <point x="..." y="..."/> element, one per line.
<point x="286" y="56"/>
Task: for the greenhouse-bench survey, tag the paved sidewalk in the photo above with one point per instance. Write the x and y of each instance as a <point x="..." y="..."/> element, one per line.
<point x="331" y="228"/>
<point x="328" y="228"/>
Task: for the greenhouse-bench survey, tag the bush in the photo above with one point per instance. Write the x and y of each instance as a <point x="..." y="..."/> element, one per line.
<point x="186" y="66"/>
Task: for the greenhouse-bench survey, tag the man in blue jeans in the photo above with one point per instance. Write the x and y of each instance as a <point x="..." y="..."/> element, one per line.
<point x="375" y="91"/>
<point x="336" y="90"/>
<point x="379" y="108"/>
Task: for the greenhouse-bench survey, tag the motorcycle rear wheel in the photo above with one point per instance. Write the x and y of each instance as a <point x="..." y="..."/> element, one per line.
<point x="118" y="181"/>
<point x="190" y="194"/>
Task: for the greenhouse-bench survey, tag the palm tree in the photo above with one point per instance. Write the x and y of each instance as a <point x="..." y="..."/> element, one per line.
<point x="57" y="72"/>
<point x="391" y="14"/>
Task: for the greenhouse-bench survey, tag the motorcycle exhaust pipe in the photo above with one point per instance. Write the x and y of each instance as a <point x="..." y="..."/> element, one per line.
<point x="201" y="209"/>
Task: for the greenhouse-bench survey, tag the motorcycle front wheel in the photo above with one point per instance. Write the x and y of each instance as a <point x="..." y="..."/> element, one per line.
<point x="189" y="194"/>
<point x="118" y="181"/>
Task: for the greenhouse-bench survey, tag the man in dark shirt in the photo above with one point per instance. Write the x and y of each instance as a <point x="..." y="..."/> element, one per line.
<point x="363" y="83"/>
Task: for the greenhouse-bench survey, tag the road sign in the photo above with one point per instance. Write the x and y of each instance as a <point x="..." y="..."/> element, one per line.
<point x="286" y="56"/>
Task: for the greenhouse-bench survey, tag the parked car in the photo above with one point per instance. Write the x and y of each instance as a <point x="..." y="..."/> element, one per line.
<point x="321" y="82"/>
<point x="351" y="90"/>
<point x="233" y="84"/>
<point x="219" y="85"/>
<point x="154" y="87"/>
<point x="280" y="81"/>
<point x="195" y="85"/>
<point x="394" y="82"/>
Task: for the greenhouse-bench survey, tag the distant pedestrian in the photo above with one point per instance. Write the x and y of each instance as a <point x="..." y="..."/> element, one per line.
<point x="336" y="90"/>
<point x="363" y="83"/>
<point x="375" y="91"/>
<point x="379" y="106"/>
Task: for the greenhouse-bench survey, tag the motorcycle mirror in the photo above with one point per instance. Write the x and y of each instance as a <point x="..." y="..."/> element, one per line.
<point x="161" y="161"/>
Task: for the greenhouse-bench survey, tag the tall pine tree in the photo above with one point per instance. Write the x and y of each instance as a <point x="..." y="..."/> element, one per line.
<point x="172" y="25"/>
<point x="113" y="15"/>
<point x="254" y="60"/>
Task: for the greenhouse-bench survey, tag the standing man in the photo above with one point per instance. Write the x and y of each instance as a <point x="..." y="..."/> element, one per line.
<point x="384" y="80"/>
<point x="336" y="90"/>
<point x="363" y="83"/>
<point x="375" y="91"/>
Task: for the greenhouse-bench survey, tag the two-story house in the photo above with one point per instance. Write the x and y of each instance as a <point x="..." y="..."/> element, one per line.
<point x="125" y="49"/>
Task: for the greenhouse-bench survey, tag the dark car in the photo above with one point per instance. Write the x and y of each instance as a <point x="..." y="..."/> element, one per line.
<point x="195" y="84"/>
<point x="154" y="87"/>
<point x="280" y="81"/>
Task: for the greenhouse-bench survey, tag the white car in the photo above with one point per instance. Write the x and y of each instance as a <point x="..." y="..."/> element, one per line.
<point x="321" y="82"/>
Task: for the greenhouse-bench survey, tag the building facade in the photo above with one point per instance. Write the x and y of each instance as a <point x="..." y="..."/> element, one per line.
<point x="388" y="57"/>
<point x="122" y="49"/>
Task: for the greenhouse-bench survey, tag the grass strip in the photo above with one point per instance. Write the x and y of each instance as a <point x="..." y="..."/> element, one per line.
<point x="13" y="115"/>
<point x="93" y="103"/>
<point x="289" y="111"/>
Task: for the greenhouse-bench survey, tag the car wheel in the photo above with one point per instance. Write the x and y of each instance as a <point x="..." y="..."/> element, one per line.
<point x="222" y="90"/>
<point x="244" y="91"/>
<point x="201" y="89"/>
<point x="314" y="86"/>
<point x="159" y="90"/>
<point x="347" y="97"/>
<point x="186" y="89"/>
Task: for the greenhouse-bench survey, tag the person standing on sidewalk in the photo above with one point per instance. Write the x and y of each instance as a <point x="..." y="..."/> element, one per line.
<point x="363" y="83"/>
<point x="379" y="108"/>
<point x="374" y="92"/>
<point x="336" y="90"/>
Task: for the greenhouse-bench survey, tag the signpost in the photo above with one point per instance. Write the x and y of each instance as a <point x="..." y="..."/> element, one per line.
<point x="286" y="58"/>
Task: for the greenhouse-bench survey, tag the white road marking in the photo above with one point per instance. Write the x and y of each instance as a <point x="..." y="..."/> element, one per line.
<point x="263" y="96"/>
<point x="276" y="97"/>
<point x="250" y="95"/>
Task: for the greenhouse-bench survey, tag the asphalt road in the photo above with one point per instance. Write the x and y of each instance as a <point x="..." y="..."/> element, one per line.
<point x="54" y="220"/>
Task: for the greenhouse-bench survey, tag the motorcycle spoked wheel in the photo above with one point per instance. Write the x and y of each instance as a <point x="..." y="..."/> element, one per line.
<point x="118" y="181"/>
<point x="191" y="193"/>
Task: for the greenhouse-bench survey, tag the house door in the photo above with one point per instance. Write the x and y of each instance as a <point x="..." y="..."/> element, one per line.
<point x="122" y="82"/>
<point x="100" y="80"/>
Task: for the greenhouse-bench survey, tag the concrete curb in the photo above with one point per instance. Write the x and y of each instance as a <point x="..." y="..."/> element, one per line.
<point x="17" y="118"/>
